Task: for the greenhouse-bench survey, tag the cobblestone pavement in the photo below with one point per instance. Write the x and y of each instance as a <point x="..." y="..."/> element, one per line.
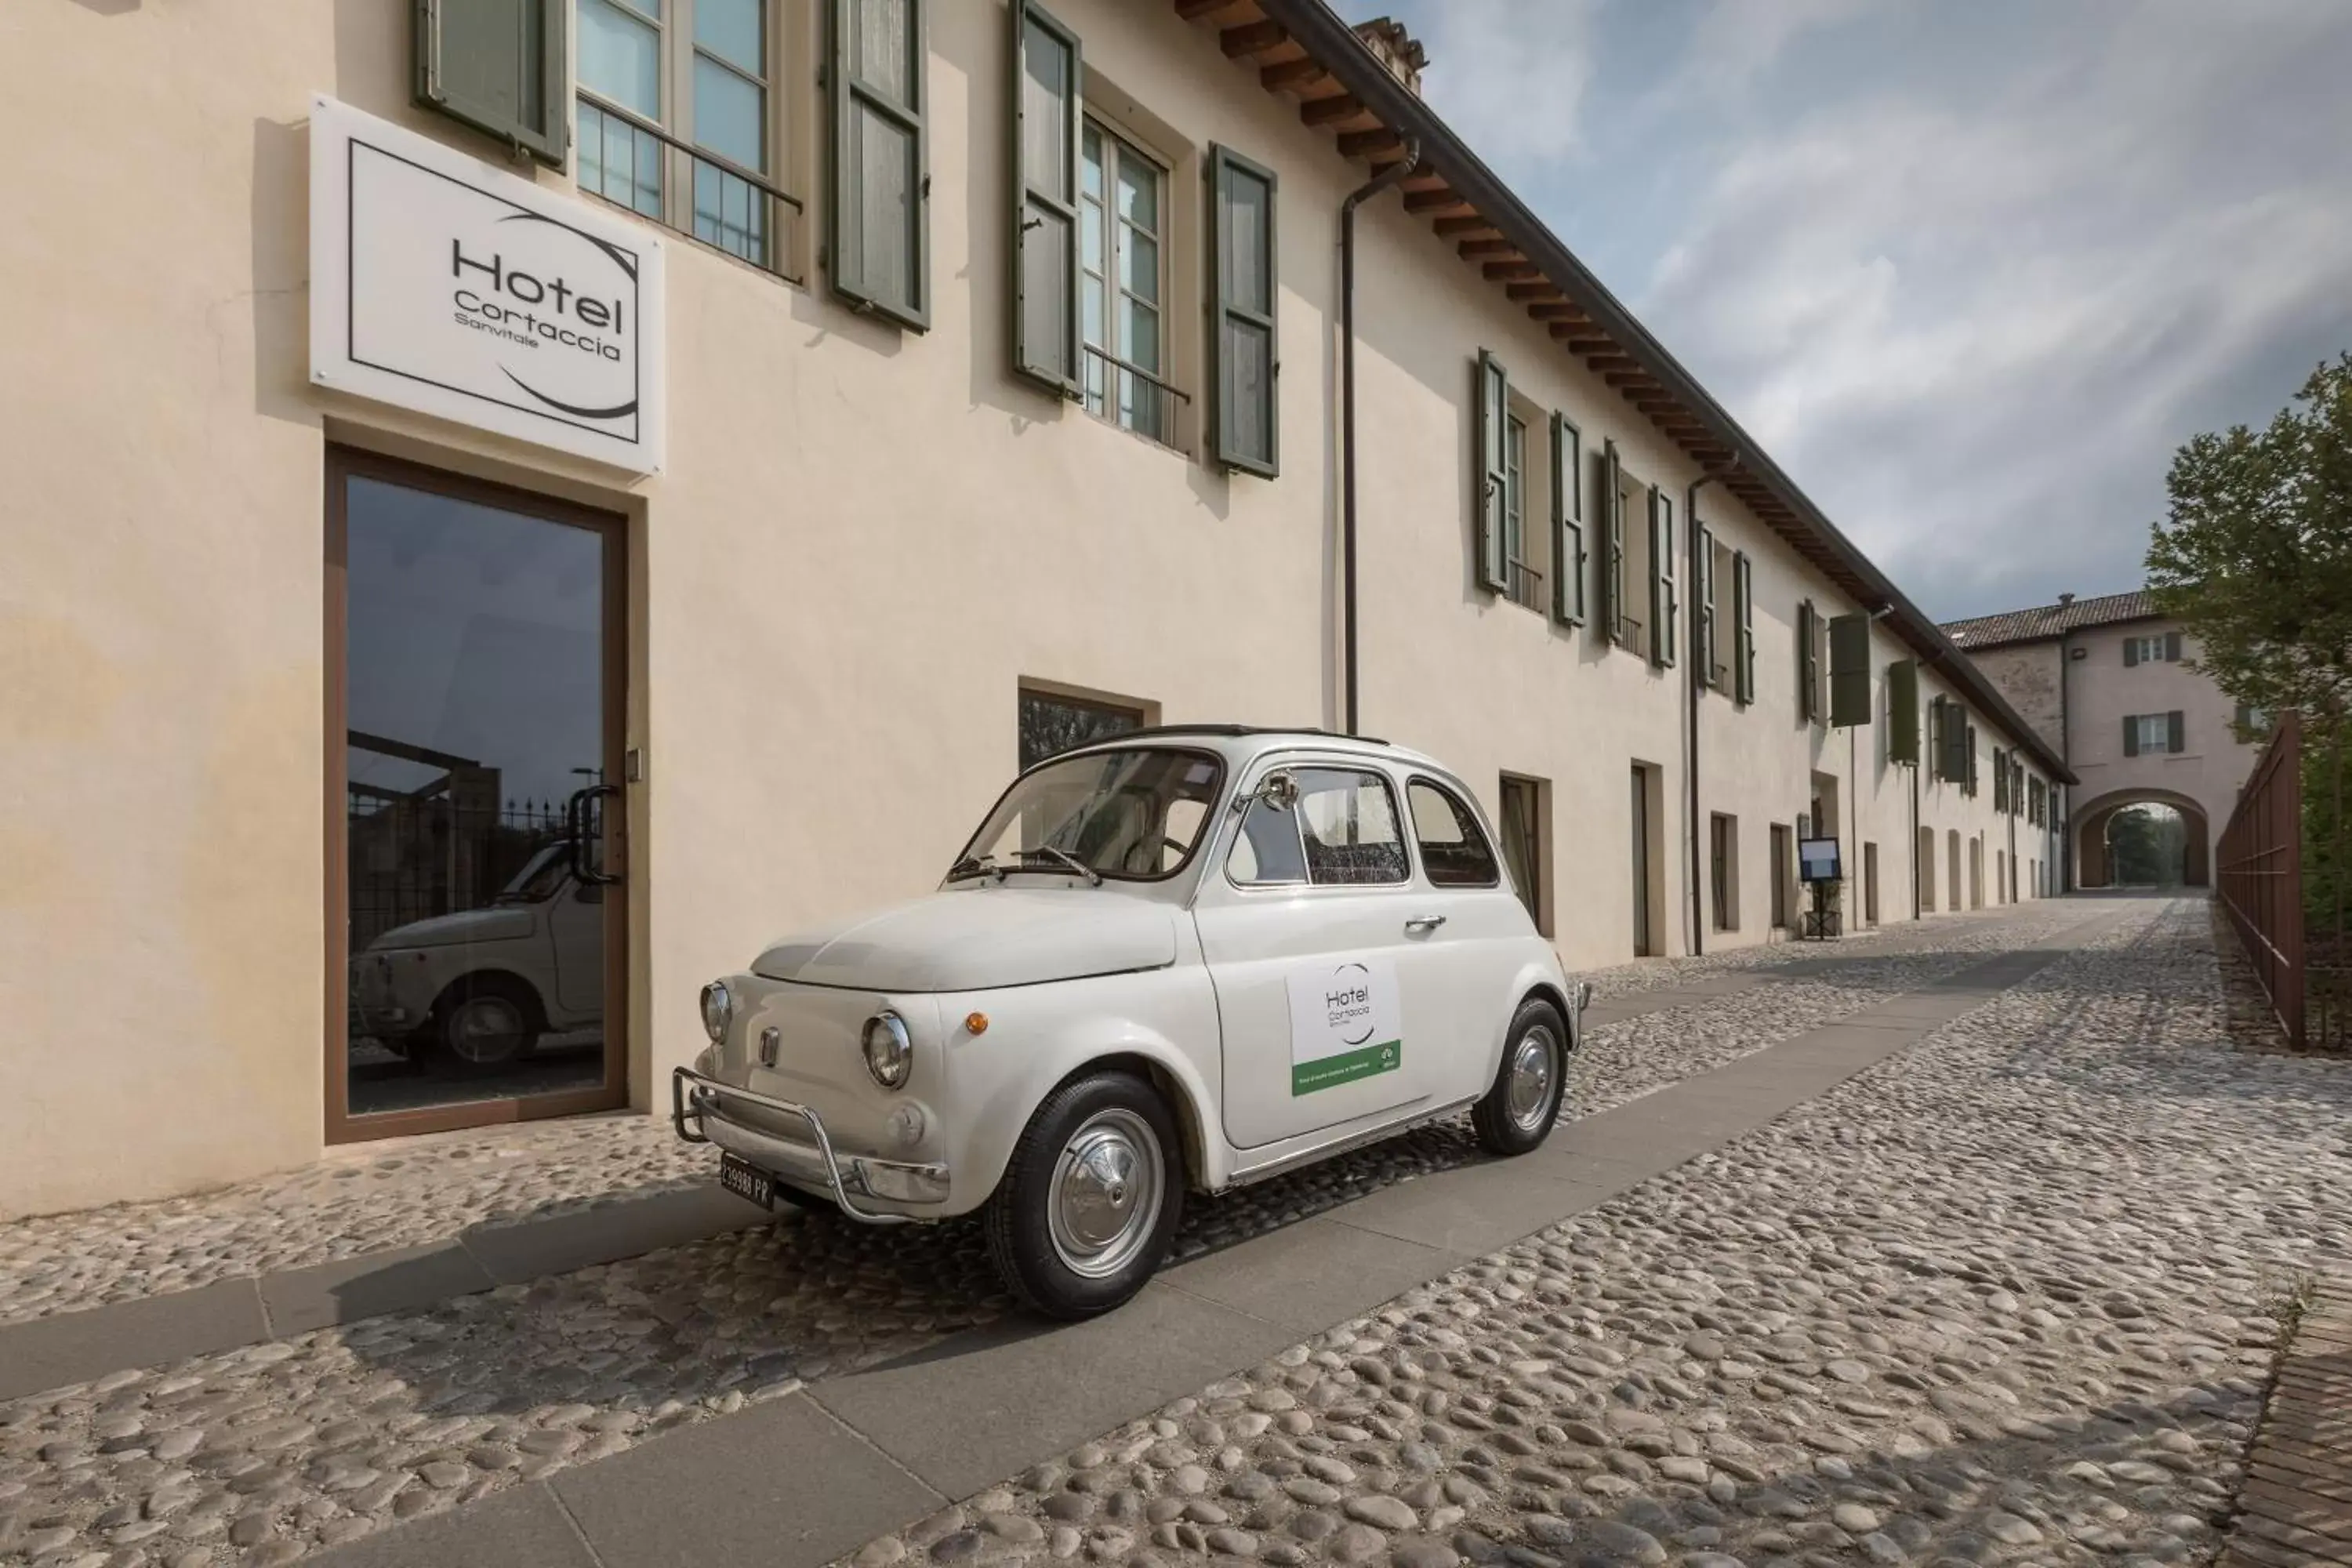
<point x="2005" y="1298"/>
<point x="368" y="1200"/>
<point x="260" y="1454"/>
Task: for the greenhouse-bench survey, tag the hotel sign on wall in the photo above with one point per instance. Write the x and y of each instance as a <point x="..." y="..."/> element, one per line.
<point x="442" y="284"/>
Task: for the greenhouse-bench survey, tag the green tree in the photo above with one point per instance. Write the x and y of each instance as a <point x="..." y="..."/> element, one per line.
<point x="2256" y="555"/>
<point x="2145" y="846"/>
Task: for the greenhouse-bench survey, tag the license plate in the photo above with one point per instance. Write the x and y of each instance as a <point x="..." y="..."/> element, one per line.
<point x="746" y="1180"/>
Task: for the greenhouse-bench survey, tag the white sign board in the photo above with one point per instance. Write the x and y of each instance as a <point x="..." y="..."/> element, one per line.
<point x="1345" y="1021"/>
<point x="442" y="284"/>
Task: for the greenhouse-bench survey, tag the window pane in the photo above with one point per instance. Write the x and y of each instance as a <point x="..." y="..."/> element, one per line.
<point x="1348" y="820"/>
<point x="1044" y="285"/>
<point x="1050" y="725"/>
<point x="734" y="30"/>
<point x="1138" y="191"/>
<point x="1138" y="265"/>
<point x="879" y="49"/>
<point x="619" y="162"/>
<point x="1044" y="114"/>
<point x="1142" y="343"/>
<point x="729" y="115"/>
<point x="620" y="57"/>
<point x="877" y="251"/>
<point x="1267" y="849"/>
<point x="1454" y="852"/>
<point x="1091" y="182"/>
<point x="1249" y="395"/>
<point x="1246" y="287"/>
<point x="1090" y="236"/>
<point x="730" y="214"/>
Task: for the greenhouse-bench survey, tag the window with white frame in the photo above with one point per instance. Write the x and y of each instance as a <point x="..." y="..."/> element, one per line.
<point x="1123" y="204"/>
<point x="703" y="72"/>
<point x="2152" y="650"/>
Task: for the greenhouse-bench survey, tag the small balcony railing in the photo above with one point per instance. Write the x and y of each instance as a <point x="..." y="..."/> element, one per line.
<point x="632" y="163"/>
<point x="1630" y="636"/>
<point x="1131" y="397"/>
<point x="1527" y="584"/>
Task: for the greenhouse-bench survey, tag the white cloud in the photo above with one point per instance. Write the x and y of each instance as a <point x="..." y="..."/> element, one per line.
<point x="1511" y="78"/>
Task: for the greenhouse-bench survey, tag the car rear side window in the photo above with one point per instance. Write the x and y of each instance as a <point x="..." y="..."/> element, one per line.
<point x="1454" y="851"/>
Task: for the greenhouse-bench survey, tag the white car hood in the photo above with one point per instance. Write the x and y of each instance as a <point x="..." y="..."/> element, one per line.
<point x="499" y="922"/>
<point x="981" y="938"/>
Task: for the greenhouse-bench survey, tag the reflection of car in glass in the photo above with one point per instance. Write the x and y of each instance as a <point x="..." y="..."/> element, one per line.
<point x="478" y="987"/>
<point x="1179" y="959"/>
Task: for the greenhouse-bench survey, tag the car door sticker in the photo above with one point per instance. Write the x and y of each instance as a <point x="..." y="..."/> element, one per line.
<point x="1345" y="1021"/>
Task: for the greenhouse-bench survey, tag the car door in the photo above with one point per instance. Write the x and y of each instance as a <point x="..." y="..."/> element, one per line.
<point x="1476" y="956"/>
<point x="1326" y="1016"/>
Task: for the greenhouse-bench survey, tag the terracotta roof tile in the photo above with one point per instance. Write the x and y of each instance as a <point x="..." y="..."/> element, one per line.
<point x="2050" y="620"/>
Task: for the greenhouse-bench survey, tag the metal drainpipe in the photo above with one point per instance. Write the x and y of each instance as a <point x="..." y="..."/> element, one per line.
<point x="1381" y="182"/>
<point x="2065" y="756"/>
<point x="1695" y="903"/>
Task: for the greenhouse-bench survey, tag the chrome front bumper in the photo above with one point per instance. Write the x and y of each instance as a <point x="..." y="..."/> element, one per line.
<point x="698" y="1106"/>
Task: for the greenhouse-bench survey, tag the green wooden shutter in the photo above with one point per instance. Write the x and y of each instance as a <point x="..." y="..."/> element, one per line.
<point x="1046" y="65"/>
<point x="1665" y="623"/>
<point x="2172" y="647"/>
<point x="2175" y="739"/>
<point x="1491" y="500"/>
<point x="1743" y="617"/>
<point x="1968" y="739"/>
<point x="1903" y="711"/>
<point x="2131" y="735"/>
<point x="1702" y="605"/>
<point x="1567" y="521"/>
<point x="1243" y="347"/>
<point x="1611" y="577"/>
<point x="1849" y="671"/>
<point x="501" y="67"/>
<point x="2000" y="781"/>
<point x="1807" y="667"/>
<point x="880" y="159"/>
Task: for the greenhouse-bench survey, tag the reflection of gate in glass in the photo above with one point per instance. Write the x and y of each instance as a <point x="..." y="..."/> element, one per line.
<point x="449" y="844"/>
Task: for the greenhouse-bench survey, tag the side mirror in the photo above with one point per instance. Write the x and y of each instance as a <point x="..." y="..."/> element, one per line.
<point x="1278" y="790"/>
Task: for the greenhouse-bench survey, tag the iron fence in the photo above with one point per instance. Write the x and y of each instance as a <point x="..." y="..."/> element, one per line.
<point x="445" y="850"/>
<point x="2281" y="882"/>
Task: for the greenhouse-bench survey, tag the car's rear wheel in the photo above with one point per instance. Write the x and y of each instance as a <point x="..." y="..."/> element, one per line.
<point x="1090" y="1197"/>
<point x="484" y="1023"/>
<point x="1517" y="1113"/>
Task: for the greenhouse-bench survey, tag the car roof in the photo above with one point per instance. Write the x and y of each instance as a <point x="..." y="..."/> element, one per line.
<point x="1241" y="744"/>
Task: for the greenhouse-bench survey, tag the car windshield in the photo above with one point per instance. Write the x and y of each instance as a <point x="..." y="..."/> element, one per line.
<point x="541" y="875"/>
<point x="1136" y="814"/>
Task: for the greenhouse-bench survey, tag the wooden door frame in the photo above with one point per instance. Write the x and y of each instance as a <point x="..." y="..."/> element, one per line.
<point x="344" y="464"/>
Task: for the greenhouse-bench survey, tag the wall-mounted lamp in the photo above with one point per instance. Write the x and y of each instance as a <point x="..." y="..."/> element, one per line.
<point x="2078" y="653"/>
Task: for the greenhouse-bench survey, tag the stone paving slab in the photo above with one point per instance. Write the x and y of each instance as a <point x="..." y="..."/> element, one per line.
<point x="2295" y="1506"/>
<point x="154" y="1330"/>
<point x="1316" y="1271"/>
<point x="985" y="1404"/>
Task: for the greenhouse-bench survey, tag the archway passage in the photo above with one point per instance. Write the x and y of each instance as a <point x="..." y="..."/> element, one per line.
<point x="2140" y="838"/>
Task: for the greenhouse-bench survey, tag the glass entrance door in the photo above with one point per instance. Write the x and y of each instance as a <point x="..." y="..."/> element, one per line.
<point x="476" y="909"/>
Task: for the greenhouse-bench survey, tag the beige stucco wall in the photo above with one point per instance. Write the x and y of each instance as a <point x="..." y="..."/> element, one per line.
<point x="864" y="541"/>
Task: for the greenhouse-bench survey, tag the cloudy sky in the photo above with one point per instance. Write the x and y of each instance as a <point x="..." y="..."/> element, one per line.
<point x="1969" y="269"/>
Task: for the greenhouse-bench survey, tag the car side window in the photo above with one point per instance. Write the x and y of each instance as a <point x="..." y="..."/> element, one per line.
<point x="1454" y="852"/>
<point x="1347" y="820"/>
<point x="1267" y="849"/>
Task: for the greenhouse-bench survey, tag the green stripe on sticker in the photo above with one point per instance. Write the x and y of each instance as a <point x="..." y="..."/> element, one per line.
<point x="1306" y="1078"/>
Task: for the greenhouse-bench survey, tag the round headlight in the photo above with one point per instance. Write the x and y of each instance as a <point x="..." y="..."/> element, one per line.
<point x="889" y="1053"/>
<point x="718" y="1011"/>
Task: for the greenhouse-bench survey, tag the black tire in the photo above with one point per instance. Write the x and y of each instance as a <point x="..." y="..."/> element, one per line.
<point x="1516" y="1114"/>
<point x="1087" y="1142"/>
<point x="484" y="1023"/>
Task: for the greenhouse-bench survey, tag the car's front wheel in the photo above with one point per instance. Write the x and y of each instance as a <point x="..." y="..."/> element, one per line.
<point x="485" y="1022"/>
<point x="1518" y="1110"/>
<point x="1090" y="1197"/>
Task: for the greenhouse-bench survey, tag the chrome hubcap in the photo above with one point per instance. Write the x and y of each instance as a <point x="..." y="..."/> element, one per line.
<point x="1528" y="1096"/>
<point x="1104" y="1200"/>
<point x="488" y="1028"/>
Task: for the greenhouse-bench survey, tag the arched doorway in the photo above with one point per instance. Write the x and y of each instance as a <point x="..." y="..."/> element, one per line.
<point x="2096" y="826"/>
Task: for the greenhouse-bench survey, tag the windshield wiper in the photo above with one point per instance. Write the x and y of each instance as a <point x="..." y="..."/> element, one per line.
<point x="975" y="866"/>
<point x="1066" y="858"/>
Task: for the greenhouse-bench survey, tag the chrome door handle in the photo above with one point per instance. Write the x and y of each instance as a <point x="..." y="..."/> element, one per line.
<point x="1424" y="922"/>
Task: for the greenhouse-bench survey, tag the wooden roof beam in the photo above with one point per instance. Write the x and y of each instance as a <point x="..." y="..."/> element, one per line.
<point x="1441" y="200"/>
<point x="1509" y="271"/>
<point x="1548" y="292"/>
<point x="1474" y="227"/>
<point x="1193" y="10"/>
<point x="1252" y="38"/>
<point x="1304" y="71"/>
<point x="1364" y="144"/>
<point x="1556" y="310"/>
<point x="1498" y="248"/>
<point x="1329" y="111"/>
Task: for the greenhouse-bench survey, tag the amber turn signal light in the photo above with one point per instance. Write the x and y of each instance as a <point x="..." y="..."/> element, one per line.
<point x="975" y="1022"/>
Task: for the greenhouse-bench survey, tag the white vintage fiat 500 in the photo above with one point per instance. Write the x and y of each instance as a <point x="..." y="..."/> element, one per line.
<point x="1182" y="958"/>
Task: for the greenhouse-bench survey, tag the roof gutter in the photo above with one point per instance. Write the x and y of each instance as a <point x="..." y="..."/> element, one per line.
<point x="1335" y="46"/>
